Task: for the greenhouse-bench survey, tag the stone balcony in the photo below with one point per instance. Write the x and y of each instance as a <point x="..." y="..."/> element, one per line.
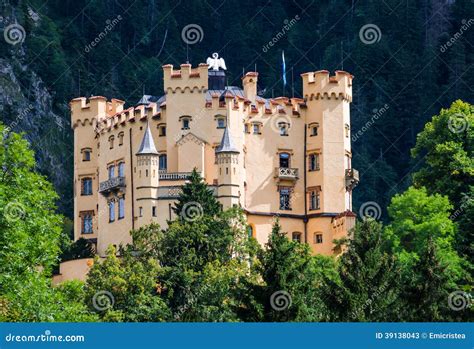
<point x="173" y="192"/>
<point x="174" y="176"/>
<point x="286" y="173"/>
<point x="352" y="178"/>
<point x="112" y="184"/>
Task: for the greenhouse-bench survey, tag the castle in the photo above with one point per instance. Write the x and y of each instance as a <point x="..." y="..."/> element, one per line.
<point x="286" y="157"/>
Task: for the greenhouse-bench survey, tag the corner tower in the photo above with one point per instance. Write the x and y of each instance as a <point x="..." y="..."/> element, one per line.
<point x="147" y="179"/>
<point x="227" y="159"/>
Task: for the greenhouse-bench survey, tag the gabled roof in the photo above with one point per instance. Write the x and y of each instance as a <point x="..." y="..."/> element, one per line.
<point x="227" y="145"/>
<point x="190" y="137"/>
<point x="147" y="147"/>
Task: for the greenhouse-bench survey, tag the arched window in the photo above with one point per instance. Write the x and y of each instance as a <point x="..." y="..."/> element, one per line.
<point x="251" y="231"/>
<point x="120" y="138"/>
<point x="111" y="141"/>
<point x="284" y="160"/>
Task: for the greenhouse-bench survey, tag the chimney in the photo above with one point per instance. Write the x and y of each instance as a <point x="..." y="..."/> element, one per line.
<point x="249" y="82"/>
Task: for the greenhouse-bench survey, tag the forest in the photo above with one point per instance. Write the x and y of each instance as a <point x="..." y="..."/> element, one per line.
<point x="411" y="121"/>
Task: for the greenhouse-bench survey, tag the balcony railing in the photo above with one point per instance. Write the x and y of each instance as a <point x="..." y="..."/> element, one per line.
<point x="286" y="173"/>
<point x="175" y="191"/>
<point x="174" y="176"/>
<point x="352" y="178"/>
<point x="112" y="184"/>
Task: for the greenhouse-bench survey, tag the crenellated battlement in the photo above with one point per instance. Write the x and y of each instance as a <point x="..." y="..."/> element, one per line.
<point x="320" y="85"/>
<point x="186" y="79"/>
<point x="104" y="115"/>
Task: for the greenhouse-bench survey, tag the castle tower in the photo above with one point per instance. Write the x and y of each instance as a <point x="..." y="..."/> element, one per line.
<point x="147" y="179"/>
<point x="227" y="159"/>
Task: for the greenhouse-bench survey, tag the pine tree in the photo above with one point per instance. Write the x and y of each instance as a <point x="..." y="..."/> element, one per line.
<point x="367" y="287"/>
<point x="291" y="280"/>
<point x="196" y="199"/>
<point x="426" y="289"/>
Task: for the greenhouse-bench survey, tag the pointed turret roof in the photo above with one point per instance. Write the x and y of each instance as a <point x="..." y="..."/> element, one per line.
<point x="227" y="145"/>
<point x="147" y="147"/>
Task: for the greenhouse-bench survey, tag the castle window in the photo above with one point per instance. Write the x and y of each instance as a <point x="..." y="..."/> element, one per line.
<point x="296" y="237"/>
<point x="313" y="162"/>
<point x="86" y="186"/>
<point x="163" y="162"/>
<point x="162" y="130"/>
<point x="283" y="126"/>
<point x="153" y="211"/>
<point x="111" y="211"/>
<point x="120" y="138"/>
<point x="121" y="169"/>
<point x="121" y="208"/>
<point x="111" y="141"/>
<point x="250" y="231"/>
<point x="246" y="128"/>
<point x="256" y="129"/>
<point x="86" y="222"/>
<point x="185" y="120"/>
<point x="220" y="121"/>
<point x="313" y="129"/>
<point x="314" y="199"/>
<point x="86" y="154"/>
<point x="111" y="171"/>
<point x="318" y="238"/>
<point x="284" y="160"/>
<point x="140" y="211"/>
<point x="347" y="130"/>
<point x="285" y="198"/>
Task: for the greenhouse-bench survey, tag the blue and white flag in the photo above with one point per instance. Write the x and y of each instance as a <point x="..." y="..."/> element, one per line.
<point x="283" y="67"/>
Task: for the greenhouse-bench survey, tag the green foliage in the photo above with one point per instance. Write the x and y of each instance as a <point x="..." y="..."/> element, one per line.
<point x="29" y="241"/>
<point x="126" y="288"/>
<point x="417" y="217"/>
<point x="367" y="287"/>
<point x="447" y="145"/>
